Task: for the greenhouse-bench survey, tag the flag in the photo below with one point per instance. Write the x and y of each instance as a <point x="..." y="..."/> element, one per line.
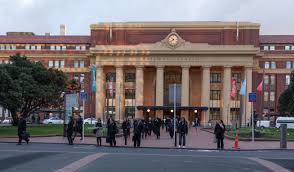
<point x="243" y="88"/>
<point x="233" y="88"/>
<point x="93" y="71"/>
<point x="259" y="87"/>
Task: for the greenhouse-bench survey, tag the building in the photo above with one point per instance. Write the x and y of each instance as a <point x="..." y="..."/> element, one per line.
<point x="138" y="65"/>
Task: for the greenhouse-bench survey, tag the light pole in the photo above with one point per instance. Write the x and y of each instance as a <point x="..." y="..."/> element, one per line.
<point x="175" y="91"/>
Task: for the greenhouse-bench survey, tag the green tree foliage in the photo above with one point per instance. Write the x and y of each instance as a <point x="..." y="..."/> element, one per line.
<point x="286" y="100"/>
<point x="26" y="86"/>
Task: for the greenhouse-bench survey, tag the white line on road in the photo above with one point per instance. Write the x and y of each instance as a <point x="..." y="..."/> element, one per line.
<point x="80" y="163"/>
<point x="270" y="165"/>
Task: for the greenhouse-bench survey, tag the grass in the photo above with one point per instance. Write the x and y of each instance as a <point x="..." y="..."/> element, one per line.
<point x="37" y="130"/>
<point x="270" y="133"/>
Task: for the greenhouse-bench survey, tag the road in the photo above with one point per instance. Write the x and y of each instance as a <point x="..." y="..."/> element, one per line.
<point x="82" y="158"/>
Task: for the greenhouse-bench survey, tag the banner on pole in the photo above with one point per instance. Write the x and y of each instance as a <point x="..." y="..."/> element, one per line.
<point x="93" y="71"/>
<point x="233" y="88"/>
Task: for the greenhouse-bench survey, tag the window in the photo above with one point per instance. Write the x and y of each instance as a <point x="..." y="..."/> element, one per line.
<point x="50" y="64"/>
<point x="76" y="77"/>
<point x="237" y="76"/>
<point x="292" y="47"/>
<point x="6" y="61"/>
<point x="83" y="47"/>
<point x="76" y="64"/>
<point x="265" y="48"/>
<point x="214" y="114"/>
<point x="78" y="47"/>
<point x="287" y="47"/>
<point x="52" y="47"/>
<point x="13" y="47"/>
<point x="56" y="64"/>
<point x="215" y="94"/>
<point x="82" y="64"/>
<point x="62" y="64"/>
<point x="2" y="47"/>
<point x="266" y="79"/>
<point x="130" y="77"/>
<point x="82" y="77"/>
<point x="110" y="76"/>
<point x="33" y="47"/>
<point x="288" y="65"/>
<point x="130" y="111"/>
<point x="288" y="80"/>
<point x="273" y="65"/>
<point x="265" y="96"/>
<point x="39" y="47"/>
<point x="266" y="65"/>
<point x="7" y="47"/>
<point x="58" y="48"/>
<point x="273" y="79"/>
<point x="130" y="93"/>
<point x="272" y="47"/>
<point x="215" y="78"/>
<point x="63" y="48"/>
<point x="272" y="96"/>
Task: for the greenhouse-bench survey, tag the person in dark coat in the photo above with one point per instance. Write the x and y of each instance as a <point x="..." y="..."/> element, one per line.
<point x="219" y="131"/>
<point x="79" y="127"/>
<point x="70" y="130"/>
<point x="98" y="133"/>
<point x="183" y="131"/>
<point x="156" y="129"/>
<point x="138" y="128"/>
<point x="150" y="126"/>
<point x="125" y="130"/>
<point x="171" y="128"/>
<point x="111" y="131"/>
<point x="21" y="130"/>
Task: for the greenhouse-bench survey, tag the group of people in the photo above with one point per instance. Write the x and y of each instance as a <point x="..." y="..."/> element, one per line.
<point x="74" y="126"/>
<point x="141" y="129"/>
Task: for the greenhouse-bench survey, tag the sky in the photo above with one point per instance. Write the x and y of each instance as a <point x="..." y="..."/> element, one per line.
<point x="45" y="16"/>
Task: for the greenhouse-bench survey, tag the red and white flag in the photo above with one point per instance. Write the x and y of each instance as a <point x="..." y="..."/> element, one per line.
<point x="259" y="87"/>
<point x="233" y="88"/>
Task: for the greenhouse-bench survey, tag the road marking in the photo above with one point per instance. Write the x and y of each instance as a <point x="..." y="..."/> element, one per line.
<point x="270" y="165"/>
<point x="80" y="163"/>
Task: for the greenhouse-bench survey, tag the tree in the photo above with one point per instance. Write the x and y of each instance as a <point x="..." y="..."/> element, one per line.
<point x="286" y="100"/>
<point x="26" y="86"/>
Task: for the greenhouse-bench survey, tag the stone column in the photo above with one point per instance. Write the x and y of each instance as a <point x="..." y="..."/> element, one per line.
<point x="119" y="94"/>
<point x="100" y="92"/>
<point x="205" y="93"/>
<point x="185" y="90"/>
<point x="248" y="76"/>
<point x="226" y="95"/>
<point x="139" y="90"/>
<point x="159" y="89"/>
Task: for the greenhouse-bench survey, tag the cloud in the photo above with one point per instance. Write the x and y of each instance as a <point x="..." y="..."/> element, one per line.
<point x="41" y="16"/>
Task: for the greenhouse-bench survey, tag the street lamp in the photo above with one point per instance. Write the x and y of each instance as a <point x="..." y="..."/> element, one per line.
<point x="172" y="111"/>
<point x="148" y="110"/>
<point x="195" y="111"/>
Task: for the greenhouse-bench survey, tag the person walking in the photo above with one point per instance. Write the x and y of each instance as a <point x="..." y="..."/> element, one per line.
<point x="219" y="131"/>
<point x="150" y="126"/>
<point x="138" y="127"/>
<point x="171" y="128"/>
<point x="70" y="130"/>
<point x="183" y="131"/>
<point x="22" y="131"/>
<point x="157" y="124"/>
<point x="111" y="131"/>
<point x="196" y="124"/>
<point x="78" y="127"/>
<point x="125" y="130"/>
<point x="98" y="133"/>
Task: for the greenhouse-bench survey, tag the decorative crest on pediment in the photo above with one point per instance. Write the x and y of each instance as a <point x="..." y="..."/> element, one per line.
<point x="173" y="40"/>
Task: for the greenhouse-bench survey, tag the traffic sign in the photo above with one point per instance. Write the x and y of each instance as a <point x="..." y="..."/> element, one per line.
<point x="252" y="97"/>
<point x="83" y="95"/>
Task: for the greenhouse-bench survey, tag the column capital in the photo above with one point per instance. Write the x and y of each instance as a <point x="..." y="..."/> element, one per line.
<point x="248" y="67"/>
<point x="228" y="66"/>
<point x="160" y="67"/>
<point x="140" y="66"/>
<point x="206" y="66"/>
<point x="119" y="66"/>
<point x="185" y="66"/>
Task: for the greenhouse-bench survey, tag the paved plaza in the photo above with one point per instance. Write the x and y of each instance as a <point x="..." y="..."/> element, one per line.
<point x="198" y="140"/>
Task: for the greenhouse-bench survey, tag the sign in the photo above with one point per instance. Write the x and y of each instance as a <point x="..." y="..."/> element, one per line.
<point x="71" y="100"/>
<point x="252" y="97"/>
<point x="83" y="95"/>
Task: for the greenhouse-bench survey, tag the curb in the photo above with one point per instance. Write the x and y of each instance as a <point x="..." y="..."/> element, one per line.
<point x="162" y="148"/>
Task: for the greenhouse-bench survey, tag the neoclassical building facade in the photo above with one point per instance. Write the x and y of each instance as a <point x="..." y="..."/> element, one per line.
<point x="140" y="64"/>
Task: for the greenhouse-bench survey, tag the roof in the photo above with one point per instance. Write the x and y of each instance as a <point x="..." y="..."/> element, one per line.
<point x="45" y="39"/>
<point x="276" y="39"/>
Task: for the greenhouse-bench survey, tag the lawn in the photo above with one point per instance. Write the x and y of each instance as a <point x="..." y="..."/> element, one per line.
<point x="271" y="133"/>
<point x="42" y="130"/>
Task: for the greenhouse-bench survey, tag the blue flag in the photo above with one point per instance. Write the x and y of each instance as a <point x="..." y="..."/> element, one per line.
<point x="93" y="71"/>
<point x="243" y="88"/>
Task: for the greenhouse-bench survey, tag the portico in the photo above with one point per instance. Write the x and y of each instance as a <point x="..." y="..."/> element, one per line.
<point x="200" y="69"/>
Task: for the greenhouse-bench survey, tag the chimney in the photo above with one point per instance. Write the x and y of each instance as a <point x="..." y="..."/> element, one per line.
<point x="62" y="30"/>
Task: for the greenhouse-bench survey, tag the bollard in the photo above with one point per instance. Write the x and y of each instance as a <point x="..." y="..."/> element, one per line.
<point x="283" y="138"/>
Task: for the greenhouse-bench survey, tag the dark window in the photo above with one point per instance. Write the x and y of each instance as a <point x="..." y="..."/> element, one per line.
<point x="215" y="78"/>
<point x="237" y="76"/>
<point x="214" y="114"/>
<point x="215" y="94"/>
<point x="130" y="77"/>
<point x="108" y="96"/>
<point x="130" y="111"/>
<point x="110" y="76"/>
<point x="130" y="94"/>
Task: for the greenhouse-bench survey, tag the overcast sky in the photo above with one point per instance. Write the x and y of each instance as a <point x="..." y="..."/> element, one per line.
<point x="41" y="16"/>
